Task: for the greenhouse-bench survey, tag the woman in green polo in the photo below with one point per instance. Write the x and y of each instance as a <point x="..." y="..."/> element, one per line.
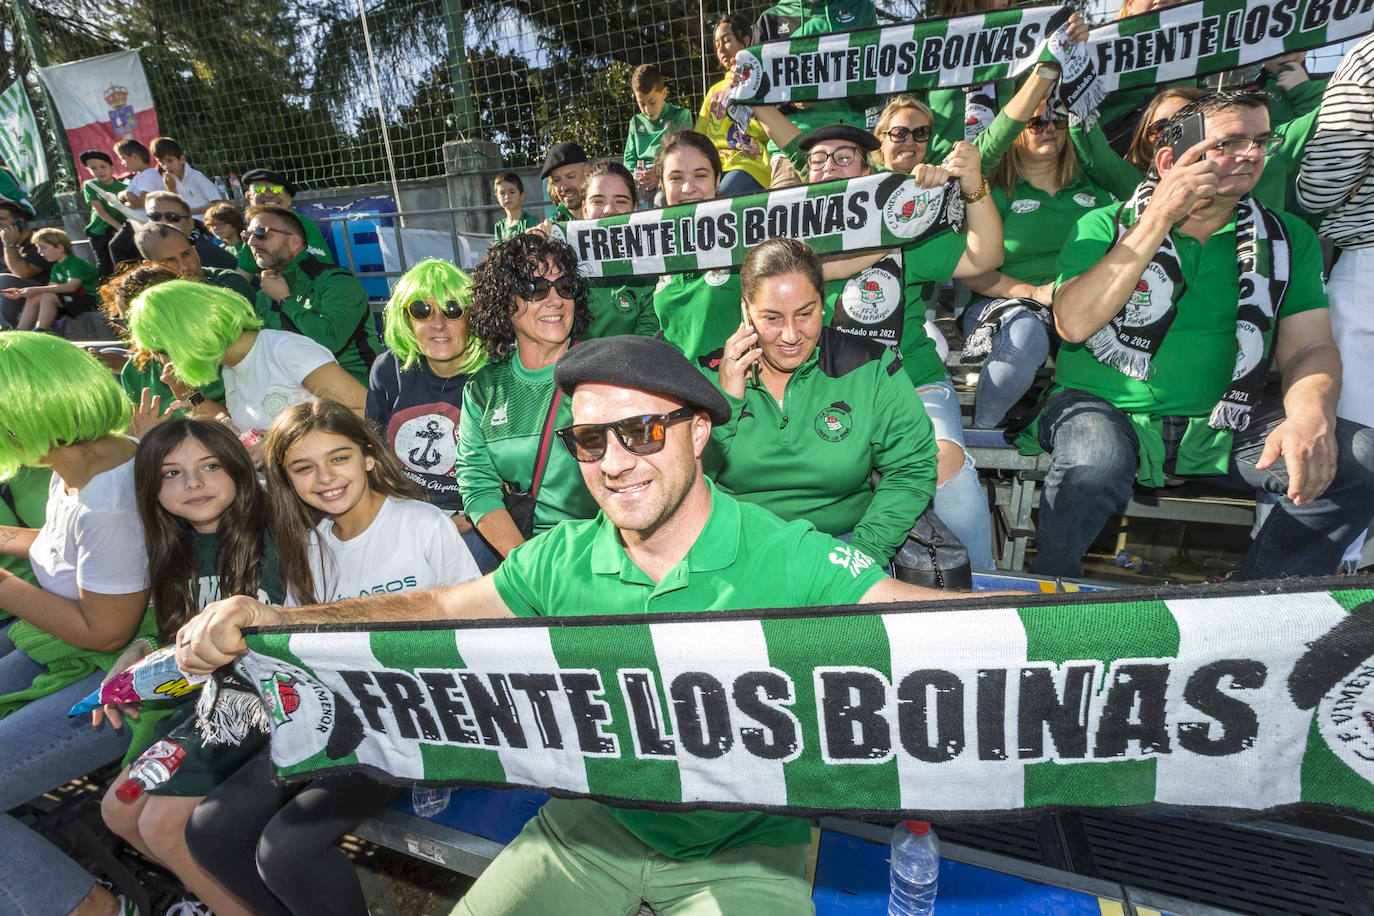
<point x="1040" y="191"/>
<point x="815" y="411"/>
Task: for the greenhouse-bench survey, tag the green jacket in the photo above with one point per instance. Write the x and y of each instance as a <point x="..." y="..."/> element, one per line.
<point x="847" y="411"/>
<point x="645" y="136"/>
<point x="329" y="305"/>
<point x="314" y="244"/>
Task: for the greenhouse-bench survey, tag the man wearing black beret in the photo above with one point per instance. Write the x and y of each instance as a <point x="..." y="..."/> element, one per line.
<point x="266" y="188"/>
<point x="666" y="540"/>
<point x="565" y="168"/>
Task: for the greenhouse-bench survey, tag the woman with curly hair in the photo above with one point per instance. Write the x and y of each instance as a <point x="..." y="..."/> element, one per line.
<point x="415" y="391"/>
<point x="529" y="304"/>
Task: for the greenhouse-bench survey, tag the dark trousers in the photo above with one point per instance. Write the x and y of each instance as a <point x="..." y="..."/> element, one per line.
<point x="1094" y="460"/>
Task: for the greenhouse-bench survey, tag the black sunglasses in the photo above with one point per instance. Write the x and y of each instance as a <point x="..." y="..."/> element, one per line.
<point x="536" y="289"/>
<point x="420" y="310"/>
<point x="166" y="217"/>
<point x="1039" y="125"/>
<point x="638" y="435"/>
<point x="917" y="134"/>
<point x="262" y="232"/>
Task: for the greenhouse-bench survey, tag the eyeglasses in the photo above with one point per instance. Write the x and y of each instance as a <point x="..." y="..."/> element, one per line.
<point x="536" y="289"/>
<point x="420" y="310"/>
<point x="1239" y="146"/>
<point x="261" y="232"/>
<point x="267" y="188"/>
<point x="166" y="217"/>
<point x="638" y="435"/>
<point x="899" y="134"/>
<point x="1039" y="125"/>
<point x="842" y="156"/>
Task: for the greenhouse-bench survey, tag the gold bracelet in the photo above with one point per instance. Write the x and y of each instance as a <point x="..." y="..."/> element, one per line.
<point x="982" y="192"/>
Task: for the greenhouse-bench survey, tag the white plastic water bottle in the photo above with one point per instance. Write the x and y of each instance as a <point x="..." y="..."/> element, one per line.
<point x="428" y="802"/>
<point x="915" y="872"/>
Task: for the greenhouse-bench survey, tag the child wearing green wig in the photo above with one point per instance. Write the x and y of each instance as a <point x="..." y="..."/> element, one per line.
<point x="198" y="328"/>
<point x="62" y="410"/>
<point x="415" y="391"/>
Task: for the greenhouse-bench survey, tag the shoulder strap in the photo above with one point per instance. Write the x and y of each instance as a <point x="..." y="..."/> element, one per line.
<point x="544" y="439"/>
<point x="7" y="497"/>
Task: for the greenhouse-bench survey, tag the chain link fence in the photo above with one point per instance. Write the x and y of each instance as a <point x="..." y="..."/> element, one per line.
<point x="309" y="86"/>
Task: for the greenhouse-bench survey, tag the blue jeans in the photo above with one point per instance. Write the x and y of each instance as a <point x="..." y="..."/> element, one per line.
<point x="960" y="501"/>
<point x="1019" y="348"/>
<point x="737" y="181"/>
<point x="41" y="748"/>
<point x="1094" y="460"/>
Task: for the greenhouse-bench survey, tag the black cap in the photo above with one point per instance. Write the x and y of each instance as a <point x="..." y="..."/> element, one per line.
<point x="639" y="362"/>
<point x="561" y="154"/>
<point x="267" y="176"/>
<point x="858" y="136"/>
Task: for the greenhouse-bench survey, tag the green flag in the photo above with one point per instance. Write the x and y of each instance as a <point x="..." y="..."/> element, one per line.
<point x="20" y="144"/>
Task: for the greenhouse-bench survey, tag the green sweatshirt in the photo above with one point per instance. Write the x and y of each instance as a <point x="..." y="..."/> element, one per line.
<point x="645" y="135"/>
<point x="847" y="411"/>
<point x="621" y="305"/>
<point x="504" y="406"/>
<point x="329" y="305"/>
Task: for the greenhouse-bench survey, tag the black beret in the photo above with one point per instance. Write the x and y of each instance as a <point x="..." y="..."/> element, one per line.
<point x="267" y="176"/>
<point x="856" y="135"/>
<point x="639" y="362"/>
<point x="561" y="154"/>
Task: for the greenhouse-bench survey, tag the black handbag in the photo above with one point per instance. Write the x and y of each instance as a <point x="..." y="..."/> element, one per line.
<point x="520" y="503"/>
<point x="932" y="556"/>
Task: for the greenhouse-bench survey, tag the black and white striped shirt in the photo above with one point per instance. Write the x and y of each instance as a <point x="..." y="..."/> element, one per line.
<point x="1336" y="165"/>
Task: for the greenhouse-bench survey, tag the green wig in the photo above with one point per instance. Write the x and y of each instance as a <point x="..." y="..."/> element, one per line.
<point x="436" y="281"/>
<point x="53" y="393"/>
<point x="192" y="323"/>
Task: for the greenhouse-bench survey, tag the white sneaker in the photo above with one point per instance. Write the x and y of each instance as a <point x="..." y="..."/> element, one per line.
<point x="189" y="906"/>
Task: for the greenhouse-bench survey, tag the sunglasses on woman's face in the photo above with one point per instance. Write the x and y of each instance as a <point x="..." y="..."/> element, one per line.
<point x="537" y="289"/>
<point x="638" y="435"/>
<point x="1039" y="125"/>
<point x="420" y="310"/>
<point x="1155" y="129"/>
<point x="917" y="134"/>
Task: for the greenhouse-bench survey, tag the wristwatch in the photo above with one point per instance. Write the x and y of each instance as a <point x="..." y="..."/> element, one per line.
<point x="195" y="399"/>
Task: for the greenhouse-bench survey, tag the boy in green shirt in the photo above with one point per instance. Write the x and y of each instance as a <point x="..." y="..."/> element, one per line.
<point x="71" y="284"/>
<point x="656" y="118"/>
<point x="510" y="194"/>
<point x="104" y="220"/>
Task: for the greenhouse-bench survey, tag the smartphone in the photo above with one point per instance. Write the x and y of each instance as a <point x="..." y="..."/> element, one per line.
<point x="744" y="314"/>
<point x="1184" y="135"/>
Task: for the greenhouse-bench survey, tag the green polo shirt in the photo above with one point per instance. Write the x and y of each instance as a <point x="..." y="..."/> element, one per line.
<point x="745" y="557"/>
<point x="847" y="411"/>
<point x="887" y="302"/>
<point x="621" y="305"/>
<point x="329" y="305"/>
<point x="73" y="268"/>
<point x="23" y="504"/>
<point x="95" y="225"/>
<point x="1035" y="224"/>
<point x="1194" y="364"/>
<point x="645" y="135"/>
<point x="314" y="244"/>
<point x="698" y="310"/>
<point x="507" y="230"/>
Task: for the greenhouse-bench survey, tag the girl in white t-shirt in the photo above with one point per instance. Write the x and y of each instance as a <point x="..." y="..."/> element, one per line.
<point x="206" y="331"/>
<point x="61" y="409"/>
<point x="349" y="522"/>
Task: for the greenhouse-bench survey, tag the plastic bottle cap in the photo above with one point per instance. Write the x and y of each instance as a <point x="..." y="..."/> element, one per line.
<point x="920" y="828"/>
<point x="128" y="790"/>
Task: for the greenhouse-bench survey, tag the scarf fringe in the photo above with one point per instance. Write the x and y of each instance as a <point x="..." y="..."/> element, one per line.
<point x="227" y="715"/>
<point x="995" y="317"/>
<point x="1110" y="351"/>
<point x="1235" y="417"/>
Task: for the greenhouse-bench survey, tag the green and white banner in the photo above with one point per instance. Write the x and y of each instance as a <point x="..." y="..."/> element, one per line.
<point x="885" y="210"/>
<point x="1190" y="39"/>
<point x="21" y="146"/>
<point x="1232" y="698"/>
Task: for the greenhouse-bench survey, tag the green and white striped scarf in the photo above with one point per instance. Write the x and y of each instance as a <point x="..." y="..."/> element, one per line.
<point x="1232" y="698"/>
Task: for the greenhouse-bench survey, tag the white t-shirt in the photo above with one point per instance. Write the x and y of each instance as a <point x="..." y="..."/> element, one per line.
<point x="93" y="539"/>
<point x="269" y="378"/>
<point x="150" y="179"/>
<point x="410" y="546"/>
<point x="196" y="189"/>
